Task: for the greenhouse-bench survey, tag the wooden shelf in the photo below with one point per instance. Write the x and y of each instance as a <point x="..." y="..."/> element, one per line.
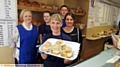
<point x="80" y="14"/>
<point x="37" y="9"/>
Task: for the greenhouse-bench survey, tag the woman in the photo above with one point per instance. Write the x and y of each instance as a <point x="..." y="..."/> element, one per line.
<point x="45" y="28"/>
<point x="55" y="25"/>
<point x="63" y="11"/>
<point x="24" y="39"/>
<point x="73" y="32"/>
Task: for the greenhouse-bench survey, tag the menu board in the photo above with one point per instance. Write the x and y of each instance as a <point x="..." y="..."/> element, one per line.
<point x="102" y="14"/>
<point x="8" y="19"/>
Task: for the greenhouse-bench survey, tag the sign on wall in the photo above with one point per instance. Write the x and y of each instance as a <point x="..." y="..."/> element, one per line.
<point x="8" y="19"/>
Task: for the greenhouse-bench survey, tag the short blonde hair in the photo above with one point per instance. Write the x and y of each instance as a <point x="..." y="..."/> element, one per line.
<point x="56" y="17"/>
<point x="22" y="13"/>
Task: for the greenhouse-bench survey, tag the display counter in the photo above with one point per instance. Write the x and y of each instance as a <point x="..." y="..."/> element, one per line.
<point x="92" y="47"/>
<point x="100" y="60"/>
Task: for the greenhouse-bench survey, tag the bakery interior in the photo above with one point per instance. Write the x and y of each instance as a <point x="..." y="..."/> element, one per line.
<point x="95" y="34"/>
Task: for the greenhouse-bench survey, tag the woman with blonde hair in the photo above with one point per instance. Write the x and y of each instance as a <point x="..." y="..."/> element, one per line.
<point x="55" y="25"/>
<point x="24" y="39"/>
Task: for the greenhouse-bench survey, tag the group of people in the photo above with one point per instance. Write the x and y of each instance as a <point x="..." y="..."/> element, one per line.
<point x="59" y="26"/>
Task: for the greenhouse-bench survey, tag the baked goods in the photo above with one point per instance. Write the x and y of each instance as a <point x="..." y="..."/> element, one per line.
<point x="27" y="3"/>
<point x="35" y="4"/>
<point x="46" y="47"/>
<point x="42" y="5"/>
<point x="21" y="2"/>
<point x="49" y="7"/>
<point x="117" y="65"/>
<point x="67" y="52"/>
<point x="56" y="49"/>
<point x="61" y="43"/>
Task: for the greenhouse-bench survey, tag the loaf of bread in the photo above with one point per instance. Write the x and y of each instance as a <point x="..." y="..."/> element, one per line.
<point x="27" y="3"/>
<point x="35" y="4"/>
<point x="21" y="2"/>
<point x="42" y="5"/>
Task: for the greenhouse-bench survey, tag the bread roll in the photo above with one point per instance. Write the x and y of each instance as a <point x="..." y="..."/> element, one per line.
<point x="61" y="43"/>
<point x="27" y="3"/>
<point x="67" y="52"/>
<point x="42" y="5"/>
<point x="35" y="4"/>
<point x="21" y="2"/>
<point x="56" y="49"/>
<point x="46" y="47"/>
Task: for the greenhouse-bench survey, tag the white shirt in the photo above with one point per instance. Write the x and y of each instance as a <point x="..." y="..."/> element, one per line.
<point x="15" y="40"/>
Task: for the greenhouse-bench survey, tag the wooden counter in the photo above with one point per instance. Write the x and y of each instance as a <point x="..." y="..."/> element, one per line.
<point x="92" y="47"/>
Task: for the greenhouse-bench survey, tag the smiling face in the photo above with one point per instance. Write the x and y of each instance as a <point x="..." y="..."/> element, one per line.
<point x="55" y="25"/>
<point x="69" y="20"/>
<point x="46" y="17"/>
<point x="27" y="17"/>
<point x="63" y="11"/>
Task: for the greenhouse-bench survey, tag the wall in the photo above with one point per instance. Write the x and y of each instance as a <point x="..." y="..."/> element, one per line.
<point x="6" y="55"/>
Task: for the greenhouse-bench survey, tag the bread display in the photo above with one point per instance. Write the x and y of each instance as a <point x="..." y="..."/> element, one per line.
<point x="35" y="4"/>
<point x="61" y="48"/>
<point x="46" y="47"/>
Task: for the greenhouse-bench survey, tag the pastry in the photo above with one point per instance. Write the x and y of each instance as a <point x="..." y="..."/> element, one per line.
<point x="67" y="52"/>
<point x="21" y="2"/>
<point x="42" y="5"/>
<point x="56" y="49"/>
<point x="35" y="4"/>
<point x="27" y="3"/>
<point x="61" y="43"/>
<point x="46" y="47"/>
<point x="117" y="65"/>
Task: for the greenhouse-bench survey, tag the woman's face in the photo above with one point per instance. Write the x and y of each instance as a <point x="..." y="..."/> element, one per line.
<point x="63" y="11"/>
<point x="27" y="17"/>
<point x="69" y="20"/>
<point x="55" y="25"/>
<point x="46" y="17"/>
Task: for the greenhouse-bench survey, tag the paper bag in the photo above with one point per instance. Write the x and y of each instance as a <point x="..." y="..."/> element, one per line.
<point x="116" y="40"/>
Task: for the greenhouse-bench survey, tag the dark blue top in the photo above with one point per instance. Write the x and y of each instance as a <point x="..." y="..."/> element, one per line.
<point x="44" y="29"/>
<point x="53" y="58"/>
<point x="64" y="23"/>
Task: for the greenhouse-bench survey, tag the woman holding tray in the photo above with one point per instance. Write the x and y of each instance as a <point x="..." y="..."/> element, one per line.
<point x="73" y="32"/>
<point x="55" y="24"/>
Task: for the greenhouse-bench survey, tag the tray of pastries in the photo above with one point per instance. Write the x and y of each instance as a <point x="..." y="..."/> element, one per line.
<point x="60" y="48"/>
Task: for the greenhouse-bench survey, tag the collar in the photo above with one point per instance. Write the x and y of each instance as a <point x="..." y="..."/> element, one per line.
<point x="23" y="24"/>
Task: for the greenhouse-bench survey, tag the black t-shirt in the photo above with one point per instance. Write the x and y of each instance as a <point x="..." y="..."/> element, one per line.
<point x="75" y="35"/>
<point x="44" y="29"/>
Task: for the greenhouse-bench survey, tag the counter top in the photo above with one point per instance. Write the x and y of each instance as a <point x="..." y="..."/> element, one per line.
<point x="99" y="60"/>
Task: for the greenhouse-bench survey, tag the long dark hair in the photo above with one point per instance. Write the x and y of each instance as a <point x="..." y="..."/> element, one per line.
<point x="72" y="15"/>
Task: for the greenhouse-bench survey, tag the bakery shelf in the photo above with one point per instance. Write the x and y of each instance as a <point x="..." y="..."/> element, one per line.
<point x="80" y="14"/>
<point x="37" y="9"/>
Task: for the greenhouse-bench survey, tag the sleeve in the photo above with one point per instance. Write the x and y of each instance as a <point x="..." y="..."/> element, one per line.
<point x="80" y="39"/>
<point x="41" y="29"/>
<point x="14" y="38"/>
<point x="44" y="38"/>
